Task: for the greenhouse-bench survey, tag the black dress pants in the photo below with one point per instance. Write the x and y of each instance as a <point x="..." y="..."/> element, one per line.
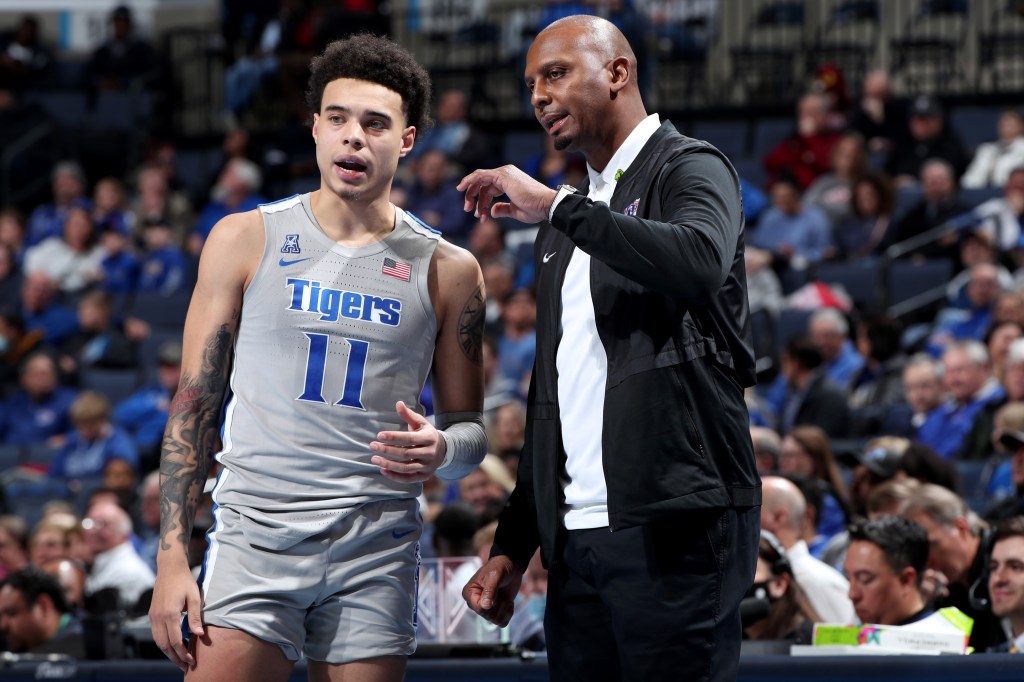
<point x="654" y="602"/>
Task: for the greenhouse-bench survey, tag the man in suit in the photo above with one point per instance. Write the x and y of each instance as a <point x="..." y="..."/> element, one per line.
<point x="636" y="420"/>
<point x="813" y="398"/>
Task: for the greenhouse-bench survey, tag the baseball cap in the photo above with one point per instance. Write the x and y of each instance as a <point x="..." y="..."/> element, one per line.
<point x="880" y="461"/>
<point x="169" y="353"/>
<point x="925" y="105"/>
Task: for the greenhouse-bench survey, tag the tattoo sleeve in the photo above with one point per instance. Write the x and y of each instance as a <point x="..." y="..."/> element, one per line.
<point x="471" y="327"/>
<point x="193" y="422"/>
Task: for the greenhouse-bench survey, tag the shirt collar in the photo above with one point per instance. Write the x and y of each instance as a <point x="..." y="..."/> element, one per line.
<point x="626" y="153"/>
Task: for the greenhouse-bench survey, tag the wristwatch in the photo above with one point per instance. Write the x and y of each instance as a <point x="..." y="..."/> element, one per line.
<point x="563" y="191"/>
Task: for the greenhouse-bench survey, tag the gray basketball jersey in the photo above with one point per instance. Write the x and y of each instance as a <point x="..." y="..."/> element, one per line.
<point x="330" y="338"/>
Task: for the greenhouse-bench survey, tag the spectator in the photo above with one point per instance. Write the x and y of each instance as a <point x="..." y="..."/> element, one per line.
<point x="878" y="117"/>
<point x="807" y="153"/>
<point x="782" y="513"/>
<point x="42" y="310"/>
<point x="73" y="260"/>
<point x="923" y="392"/>
<point x="788" y="614"/>
<point x="813" y="398"/>
<point x="486" y="488"/>
<point x="507" y="430"/>
<point x="35" y="618"/>
<point x="13" y="232"/>
<point x="123" y="59"/>
<point x="880" y="460"/>
<point x="1006" y="581"/>
<point x="16" y="345"/>
<point x="1002" y="217"/>
<point x="143" y="414"/>
<point x="93" y="443"/>
<point x="993" y="161"/>
<point x="24" y="59"/>
<point x="958" y="549"/>
<point x="498" y="390"/>
<point x="830" y="332"/>
<point x="148" y="525"/>
<point x="865" y="229"/>
<point x="967" y="378"/>
<point x="806" y="452"/>
<point x="110" y="207"/>
<point x="767" y="449"/>
<point x="236" y="191"/>
<point x="70" y="575"/>
<point x="517" y="344"/>
<point x="878" y="386"/>
<point x="98" y="342"/>
<point x="555" y="167"/>
<point x="796" y="234"/>
<point x="832" y="192"/>
<point x="13" y="545"/>
<point x="49" y="540"/>
<point x="156" y="202"/>
<point x="454" y="136"/>
<point x="433" y="198"/>
<point x="486" y="238"/>
<point x="885" y="563"/>
<point x="983" y="290"/>
<point x="68" y="187"/>
<point x="929" y="138"/>
<point x="39" y="411"/>
<point x="108" y="530"/>
<point x="499" y="279"/>
<point x="998" y="339"/>
<point x="939" y="203"/>
<point x="163" y="267"/>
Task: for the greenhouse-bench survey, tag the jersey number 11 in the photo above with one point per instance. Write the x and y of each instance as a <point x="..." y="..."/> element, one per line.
<point x="316" y="363"/>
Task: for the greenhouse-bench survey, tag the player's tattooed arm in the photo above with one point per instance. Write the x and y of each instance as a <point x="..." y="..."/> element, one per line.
<point x="471" y="326"/>
<point x="193" y="423"/>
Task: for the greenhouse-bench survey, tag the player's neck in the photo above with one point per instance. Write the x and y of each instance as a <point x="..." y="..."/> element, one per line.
<point x="352" y="223"/>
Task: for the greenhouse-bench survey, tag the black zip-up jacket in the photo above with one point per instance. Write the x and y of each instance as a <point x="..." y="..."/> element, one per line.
<point x="669" y="289"/>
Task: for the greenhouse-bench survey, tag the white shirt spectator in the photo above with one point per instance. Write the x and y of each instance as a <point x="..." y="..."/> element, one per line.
<point x="826" y="588"/>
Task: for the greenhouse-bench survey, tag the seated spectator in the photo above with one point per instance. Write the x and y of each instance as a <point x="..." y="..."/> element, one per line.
<point x="832" y="192"/>
<point x="35" y="617"/>
<point x="807" y="153"/>
<point x="99" y="342"/>
<point x="110" y="207"/>
<point x="39" y="412"/>
<point x="983" y="289"/>
<point x="108" y="530"/>
<point x="13" y="545"/>
<point x="517" y="343"/>
<point x="878" y="116"/>
<point x="967" y="378"/>
<point x="236" y="191"/>
<point x="432" y="197"/>
<point x="486" y="238"/>
<point x="13" y="232"/>
<point x="885" y="563"/>
<point x="454" y="136"/>
<point x="72" y="260"/>
<point x="498" y="389"/>
<point x="148" y="523"/>
<point x="993" y="161"/>
<point x="70" y="575"/>
<point x="998" y="339"/>
<point x="143" y="414"/>
<point x="93" y="443"/>
<point x="813" y="398"/>
<point x="767" y="449"/>
<point x="163" y="267"/>
<point x="486" y="488"/>
<point x="878" y="385"/>
<point x="929" y="138"/>
<point x="507" y="429"/>
<point x="68" y="187"/>
<point x="24" y="59"/>
<point x="806" y="452"/>
<point x="120" y="266"/>
<point x="787" y="611"/>
<point x="43" y="311"/>
<point x="958" y="549"/>
<point x="156" y="202"/>
<point x="49" y="540"/>
<point x="16" y="344"/>
<point x="782" y="513"/>
<point x="499" y="280"/>
<point x="1006" y="581"/>
<point x="1002" y="217"/>
<point x="123" y="59"/>
<point x="555" y="167"/>
<point x="865" y="229"/>
<point x="796" y="234"/>
<point x="939" y="203"/>
<point x="976" y="248"/>
<point x="879" y="461"/>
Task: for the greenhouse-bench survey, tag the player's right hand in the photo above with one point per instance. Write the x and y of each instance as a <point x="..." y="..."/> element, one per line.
<point x="174" y="593"/>
<point x="492" y="590"/>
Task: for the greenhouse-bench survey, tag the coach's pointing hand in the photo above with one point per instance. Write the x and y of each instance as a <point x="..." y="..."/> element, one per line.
<point x="528" y="200"/>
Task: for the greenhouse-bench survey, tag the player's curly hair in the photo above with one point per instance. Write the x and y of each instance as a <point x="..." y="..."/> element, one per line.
<point x="377" y="60"/>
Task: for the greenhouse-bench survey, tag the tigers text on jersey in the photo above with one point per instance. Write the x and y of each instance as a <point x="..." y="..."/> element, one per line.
<point x="330" y="338"/>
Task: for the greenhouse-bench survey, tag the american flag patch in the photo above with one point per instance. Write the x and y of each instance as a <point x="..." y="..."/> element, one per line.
<point x="396" y="269"/>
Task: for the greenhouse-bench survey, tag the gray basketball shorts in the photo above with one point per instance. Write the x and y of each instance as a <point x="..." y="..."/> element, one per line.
<point x="345" y="594"/>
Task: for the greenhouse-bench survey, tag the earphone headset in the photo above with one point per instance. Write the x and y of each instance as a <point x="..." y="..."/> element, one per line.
<point x="780" y="565"/>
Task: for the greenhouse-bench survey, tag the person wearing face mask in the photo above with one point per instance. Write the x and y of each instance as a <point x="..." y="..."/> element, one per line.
<point x="775" y="606"/>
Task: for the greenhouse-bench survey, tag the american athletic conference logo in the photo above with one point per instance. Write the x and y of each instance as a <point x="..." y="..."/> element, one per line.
<point x="291" y="244"/>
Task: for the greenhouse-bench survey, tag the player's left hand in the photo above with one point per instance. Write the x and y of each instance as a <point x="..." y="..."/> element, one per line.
<point x="528" y="200"/>
<point x="409" y="456"/>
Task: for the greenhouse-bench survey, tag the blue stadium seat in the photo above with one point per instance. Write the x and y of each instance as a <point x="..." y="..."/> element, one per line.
<point x="115" y="384"/>
<point x="769" y="132"/>
<point x="975" y="125"/>
<point x="791" y="323"/>
<point x="730" y="137"/>
<point x="907" y="279"/>
<point x="27" y="496"/>
<point x="861" y="279"/>
<point x="163" y="313"/>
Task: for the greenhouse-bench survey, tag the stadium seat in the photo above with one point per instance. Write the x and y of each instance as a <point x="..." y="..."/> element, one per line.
<point x="26" y="497"/>
<point x="163" y="313"/>
<point x="861" y="279"/>
<point x="10" y="457"/>
<point x="730" y="137"/>
<point x="791" y="323"/>
<point x="115" y="384"/>
<point x="907" y="279"/>
<point x="975" y="125"/>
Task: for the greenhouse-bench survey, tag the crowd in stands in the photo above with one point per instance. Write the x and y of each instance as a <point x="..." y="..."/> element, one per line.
<point x="892" y="453"/>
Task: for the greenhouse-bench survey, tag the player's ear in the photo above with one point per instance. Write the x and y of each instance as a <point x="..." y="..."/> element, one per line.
<point x="316" y="121"/>
<point x="408" y="140"/>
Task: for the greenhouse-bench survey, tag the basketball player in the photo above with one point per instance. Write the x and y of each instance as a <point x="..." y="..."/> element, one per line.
<point x="312" y="329"/>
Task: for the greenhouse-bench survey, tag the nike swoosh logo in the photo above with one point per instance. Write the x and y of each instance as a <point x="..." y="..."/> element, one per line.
<point x="398" y="536"/>
<point x="547" y="256"/>
<point x="285" y="263"/>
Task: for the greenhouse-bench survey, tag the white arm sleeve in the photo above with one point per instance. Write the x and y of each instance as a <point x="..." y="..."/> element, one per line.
<point x="465" y="440"/>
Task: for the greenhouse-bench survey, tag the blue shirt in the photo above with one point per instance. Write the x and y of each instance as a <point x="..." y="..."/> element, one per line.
<point x="27" y="421"/>
<point x="48" y="221"/>
<point x="840" y="370"/>
<point x="215" y="210"/>
<point x="946" y="426"/>
<point x="143" y="415"/>
<point x="79" y="458"/>
<point x="163" y="271"/>
<point x="120" y="273"/>
<point x="56" y="322"/>
<point x="516" y="356"/>
<point x="808" y="232"/>
<point x="446" y="202"/>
